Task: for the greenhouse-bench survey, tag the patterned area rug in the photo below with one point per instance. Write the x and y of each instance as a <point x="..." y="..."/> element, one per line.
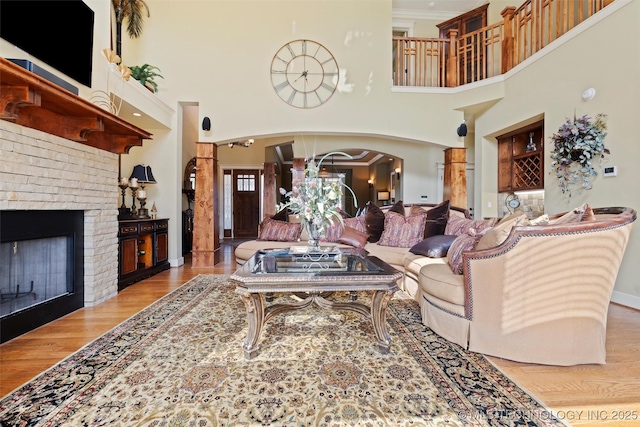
<point x="179" y="362"/>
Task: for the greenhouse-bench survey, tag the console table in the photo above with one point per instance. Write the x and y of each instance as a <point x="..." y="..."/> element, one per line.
<point x="143" y="249"/>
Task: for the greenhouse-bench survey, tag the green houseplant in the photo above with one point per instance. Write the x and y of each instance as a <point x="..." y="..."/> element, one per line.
<point x="146" y="75"/>
<point x="578" y="146"/>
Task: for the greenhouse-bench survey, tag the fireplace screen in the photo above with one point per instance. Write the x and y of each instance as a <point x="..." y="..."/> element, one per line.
<point x="41" y="268"/>
<point x="34" y="271"/>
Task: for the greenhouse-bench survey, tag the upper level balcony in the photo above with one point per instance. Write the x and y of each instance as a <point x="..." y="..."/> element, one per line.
<point x="461" y="58"/>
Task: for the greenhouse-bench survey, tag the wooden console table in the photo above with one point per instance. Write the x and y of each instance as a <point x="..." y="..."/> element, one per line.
<point x="143" y="249"/>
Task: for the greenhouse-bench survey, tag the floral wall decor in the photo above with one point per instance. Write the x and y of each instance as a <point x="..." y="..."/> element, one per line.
<point x="578" y="146"/>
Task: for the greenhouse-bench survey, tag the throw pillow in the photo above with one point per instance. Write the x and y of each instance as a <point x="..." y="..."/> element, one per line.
<point x="397" y="207"/>
<point x="574" y="215"/>
<point x="279" y="231"/>
<point x="437" y="218"/>
<point x="357" y="222"/>
<point x="333" y="231"/>
<point x="541" y="220"/>
<point x="374" y="220"/>
<point x="434" y="246"/>
<point x="464" y="242"/>
<point x="343" y="214"/>
<point x="498" y="234"/>
<point x="457" y="225"/>
<point x="402" y="232"/>
<point x="353" y="237"/>
<point x="281" y="215"/>
<point x="588" y="214"/>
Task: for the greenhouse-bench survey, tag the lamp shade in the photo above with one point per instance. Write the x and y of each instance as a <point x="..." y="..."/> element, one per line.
<point x="143" y="174"/>
<point x="383" y="195"/>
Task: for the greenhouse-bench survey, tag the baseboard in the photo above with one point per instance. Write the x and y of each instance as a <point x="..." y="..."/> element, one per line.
<point x="627" y="300"/>
<point x="176" y="262"/>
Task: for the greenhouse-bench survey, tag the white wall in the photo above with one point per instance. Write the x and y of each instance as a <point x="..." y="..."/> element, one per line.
<point x="552" y="86"/>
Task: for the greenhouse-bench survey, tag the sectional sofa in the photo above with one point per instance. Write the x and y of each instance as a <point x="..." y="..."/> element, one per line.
<point x="396" y="256"/>
<point x="534" y="291"/>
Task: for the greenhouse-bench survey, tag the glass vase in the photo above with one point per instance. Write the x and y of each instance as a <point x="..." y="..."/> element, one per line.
<point x="315" y="234"/>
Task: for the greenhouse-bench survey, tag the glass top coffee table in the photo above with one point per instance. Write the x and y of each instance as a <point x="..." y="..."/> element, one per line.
<point x="313" y="277"/>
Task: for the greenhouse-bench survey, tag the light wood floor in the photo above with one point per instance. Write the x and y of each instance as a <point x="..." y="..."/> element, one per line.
<point x="586" y="395"/>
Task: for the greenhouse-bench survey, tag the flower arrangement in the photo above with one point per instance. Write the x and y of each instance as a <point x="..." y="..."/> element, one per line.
<point x="578" y="145"/>
<point x="316" y="200"/>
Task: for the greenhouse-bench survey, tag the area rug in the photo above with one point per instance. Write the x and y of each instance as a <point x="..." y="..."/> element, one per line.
<point x="179" y="362"/>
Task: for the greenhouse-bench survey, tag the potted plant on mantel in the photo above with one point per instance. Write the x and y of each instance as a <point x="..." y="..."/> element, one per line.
<point x="146" y="74"/>
<point x="578" y="147"/>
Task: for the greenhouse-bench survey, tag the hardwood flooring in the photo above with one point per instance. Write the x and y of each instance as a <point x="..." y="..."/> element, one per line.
<point x="585" y="395"/>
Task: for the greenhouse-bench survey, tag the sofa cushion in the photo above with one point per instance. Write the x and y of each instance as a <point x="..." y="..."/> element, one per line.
<point x="401" y="231"/>
<point x="498" y="234"/>
<point x="390" y="254"/>
<point x="413" y="263"/>
<point x="457" y="225"/>
<point x="374" y="220"/>
<point x="437" y="280"/>
<point x="351" y="236"/>
<point x="464" y="242"/>
<point x="437" y="218"/>
<point x="434" y="246"/>
<point x="279" y="231"/>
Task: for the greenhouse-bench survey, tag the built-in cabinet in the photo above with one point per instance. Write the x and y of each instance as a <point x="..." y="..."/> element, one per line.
<point x="521" y="159"/>
<point x="143" y="249"/>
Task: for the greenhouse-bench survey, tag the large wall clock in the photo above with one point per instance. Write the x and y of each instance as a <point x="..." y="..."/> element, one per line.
<point x="304" y="73"/>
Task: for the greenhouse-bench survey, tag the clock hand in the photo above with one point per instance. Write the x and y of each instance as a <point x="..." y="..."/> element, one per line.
<point x="304" y="74"/>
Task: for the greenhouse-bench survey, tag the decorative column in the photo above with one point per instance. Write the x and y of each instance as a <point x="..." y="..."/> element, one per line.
<point x="206" y="240"/>
<point x="455" y="176"/>
<point x="269" y="197"/>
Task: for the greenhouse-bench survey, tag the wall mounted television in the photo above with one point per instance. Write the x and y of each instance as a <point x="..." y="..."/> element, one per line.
<point x="56" y="32"/>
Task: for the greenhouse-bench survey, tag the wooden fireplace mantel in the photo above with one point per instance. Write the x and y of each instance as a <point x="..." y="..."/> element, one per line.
<point x="32" y="101"/>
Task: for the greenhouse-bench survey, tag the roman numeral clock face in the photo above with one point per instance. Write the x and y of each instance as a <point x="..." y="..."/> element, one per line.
<point x="304" y="74"/>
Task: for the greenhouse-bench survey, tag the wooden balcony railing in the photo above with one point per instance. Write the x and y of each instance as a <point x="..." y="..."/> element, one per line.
<point x="489" y="51"/>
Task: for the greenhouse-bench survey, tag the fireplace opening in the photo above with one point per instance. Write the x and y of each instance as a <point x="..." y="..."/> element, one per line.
<point x="41" y="268"/>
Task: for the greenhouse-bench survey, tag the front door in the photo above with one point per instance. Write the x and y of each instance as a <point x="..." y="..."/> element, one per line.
<point x="246" y="203"/>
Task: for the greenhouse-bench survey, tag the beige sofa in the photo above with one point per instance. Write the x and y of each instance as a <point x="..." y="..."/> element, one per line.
<point x="400" y="258"/>
<point x="541" y="296"/>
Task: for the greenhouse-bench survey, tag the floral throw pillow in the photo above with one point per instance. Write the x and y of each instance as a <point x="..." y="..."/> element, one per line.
<point x="456" y="225"/>
<point x="464" y="242"/>
<point x="279" y="231"/>
<point x="333" y="231"/>
<point x="357" y="222"/>
<point x="402" y="232"/>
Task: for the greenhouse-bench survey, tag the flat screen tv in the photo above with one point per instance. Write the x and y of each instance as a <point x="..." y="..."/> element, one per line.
<point x="57" y="32"/>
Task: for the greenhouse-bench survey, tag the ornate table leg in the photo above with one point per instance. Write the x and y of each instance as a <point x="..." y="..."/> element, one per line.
<point x="379" y="319"/>
<point x="254" y="304"/>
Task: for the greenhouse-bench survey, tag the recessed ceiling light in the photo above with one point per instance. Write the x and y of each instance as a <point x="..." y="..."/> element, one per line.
<point x="137" y="114"/>
<point x="432" y="4"/>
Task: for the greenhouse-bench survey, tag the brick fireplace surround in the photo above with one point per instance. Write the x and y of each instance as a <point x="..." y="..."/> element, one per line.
<point x="40" y="171"/>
